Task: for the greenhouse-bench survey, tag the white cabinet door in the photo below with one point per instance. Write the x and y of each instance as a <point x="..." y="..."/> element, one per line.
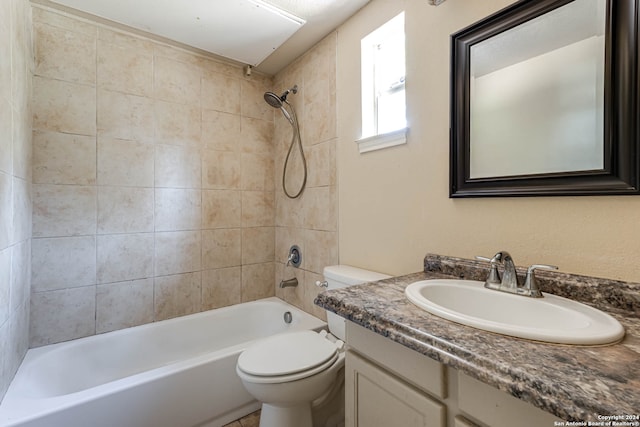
<point x="375" y="398"/>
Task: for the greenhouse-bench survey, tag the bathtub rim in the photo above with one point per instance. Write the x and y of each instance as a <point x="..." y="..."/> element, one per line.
<point x="19" y="408"/>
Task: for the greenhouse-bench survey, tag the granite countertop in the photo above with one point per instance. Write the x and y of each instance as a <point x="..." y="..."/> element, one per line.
<point x="575" y="383"/>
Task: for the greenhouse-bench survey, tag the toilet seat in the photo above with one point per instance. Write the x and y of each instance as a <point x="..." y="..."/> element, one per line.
<point x="288" y="357"/>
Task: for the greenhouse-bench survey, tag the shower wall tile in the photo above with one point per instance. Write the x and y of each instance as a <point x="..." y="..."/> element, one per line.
<point x="321" y="249"/>
<point x="6" y="134"/>
<point x="290" y="212"/>
<point x="125" y="210"/>
<point x="64" y="107"/>
<point x="212" y="65"/>
<point x="176" y="81"/>
<point x="124" y="257"/>
<point x="6" y="209"/>
<point x="124" y="116"/>
<point x="65" y="54"/>
<point x="178" y="167"/>
<point x="252" y="100"/>
<point x="63" y="262"/>
<point x="19" y="337"/>
<point x="258" y="245"/>
<point x="62" y="21"/>
<point x="6" y="346"/>
<point x="20" y="274"/>
<point x="320" y="209"/>
<point x="123" y="305"/>
<point x="309" y="221"/>
<point x="64" y="210"/>
<point x="258" y="208"/>
<point x="220" y="170"/>
<point x="177" y="295"/>
<point x="154" y="179"/>
<point x="257" y="281"/>
<point x="321" y="160"/>
<point x="256" y="136"/>
<point x="311" y="291"/>
<point x="177" y="124"/>
<point x="125" y="163"/>
<point x="5" y="51"/>
<point x="176" y="53"/>
<point x="178" y="252"/>
<point x="22" y="195"/>
<point x="257" y="172"/>
<point x="120" y="37"/>
<point x="22" y="153"/>
<point x="221" y="209"/>
<point x="123" y="65"/>
<point x="221" y="93"/>
<point x="16" y="71"/>
<point x="221" y="248"/>
<point x="319" y="125"/>
<point x="221" y="287"/>
<point x="62" y="158"/>
<point x="177" y="209"/>
<point x="62" y="315"/>
<point x="220" y="131"/>
<point x="5" y="284"/>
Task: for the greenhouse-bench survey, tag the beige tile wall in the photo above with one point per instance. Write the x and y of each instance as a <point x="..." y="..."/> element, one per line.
<point x="311" y="220"/>
<point x="153" y="193"/>
<point x="15" y="185"/>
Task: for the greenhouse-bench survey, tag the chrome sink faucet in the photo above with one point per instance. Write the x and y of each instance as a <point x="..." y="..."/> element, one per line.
<point x="509" y="282"/>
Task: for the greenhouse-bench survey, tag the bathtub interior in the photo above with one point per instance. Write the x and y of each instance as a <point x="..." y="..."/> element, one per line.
<point x="84" y="369"/>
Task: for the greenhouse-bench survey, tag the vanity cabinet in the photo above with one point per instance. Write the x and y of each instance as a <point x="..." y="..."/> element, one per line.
<point x="377" y="398"/>
<point x="387" y="385"/>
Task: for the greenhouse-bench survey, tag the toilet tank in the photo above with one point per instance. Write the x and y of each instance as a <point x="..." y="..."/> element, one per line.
<point x="341" y="276"/>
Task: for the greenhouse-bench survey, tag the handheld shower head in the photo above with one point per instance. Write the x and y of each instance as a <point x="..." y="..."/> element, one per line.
<point x="273" y="99"/>
<point x="278" y="101"/>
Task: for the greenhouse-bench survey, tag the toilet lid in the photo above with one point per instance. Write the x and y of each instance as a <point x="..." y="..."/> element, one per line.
<point x="286" y="354"/>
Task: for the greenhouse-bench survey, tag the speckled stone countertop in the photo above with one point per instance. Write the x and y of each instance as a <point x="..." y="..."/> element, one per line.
<point x="575" y="383"/>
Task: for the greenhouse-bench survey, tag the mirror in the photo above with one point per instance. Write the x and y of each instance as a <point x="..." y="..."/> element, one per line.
<point x="544" y="101"/>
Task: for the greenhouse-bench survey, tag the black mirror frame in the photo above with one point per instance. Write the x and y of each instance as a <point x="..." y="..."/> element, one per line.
<point x="621" y="172"/>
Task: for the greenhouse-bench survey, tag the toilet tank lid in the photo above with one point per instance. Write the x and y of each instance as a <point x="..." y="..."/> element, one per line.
<point x="352" y="275"/>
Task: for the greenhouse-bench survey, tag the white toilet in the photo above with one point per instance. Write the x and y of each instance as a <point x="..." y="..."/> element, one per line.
<point x="292" y="372"/>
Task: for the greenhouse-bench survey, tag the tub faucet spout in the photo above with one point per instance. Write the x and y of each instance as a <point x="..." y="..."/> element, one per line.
<point x="289" y="283"/>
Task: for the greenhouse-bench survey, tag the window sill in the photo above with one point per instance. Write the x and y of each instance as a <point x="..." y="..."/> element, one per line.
<point x="385" y="140"/>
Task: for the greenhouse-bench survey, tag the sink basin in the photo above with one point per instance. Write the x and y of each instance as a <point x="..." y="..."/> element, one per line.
<point x="550" y="319"/>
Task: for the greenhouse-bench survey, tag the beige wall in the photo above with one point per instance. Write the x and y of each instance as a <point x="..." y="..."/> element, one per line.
<point x="153" y="191"/>
<point x="311" y="220"/>
<point x="15" y="185"/>
<point x="394" y="205"/>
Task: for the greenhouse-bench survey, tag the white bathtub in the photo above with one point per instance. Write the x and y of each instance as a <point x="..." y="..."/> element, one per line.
<point x="174" y="373"/>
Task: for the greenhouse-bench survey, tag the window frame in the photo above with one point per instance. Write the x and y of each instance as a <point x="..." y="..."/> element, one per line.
<point x="371" y="139"/>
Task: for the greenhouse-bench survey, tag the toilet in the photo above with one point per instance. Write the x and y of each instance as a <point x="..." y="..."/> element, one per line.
<point x="293" y="372"/>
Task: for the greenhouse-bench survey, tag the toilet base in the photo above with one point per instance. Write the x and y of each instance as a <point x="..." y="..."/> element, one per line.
<point x="290" y="416"/>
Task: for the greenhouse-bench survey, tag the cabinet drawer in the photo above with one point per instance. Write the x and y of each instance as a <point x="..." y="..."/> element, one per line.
<point x="415" y="368"/>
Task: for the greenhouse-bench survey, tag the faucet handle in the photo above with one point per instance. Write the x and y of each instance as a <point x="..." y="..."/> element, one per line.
<point x="530" y="285"/>
<point x="494" y="277"/>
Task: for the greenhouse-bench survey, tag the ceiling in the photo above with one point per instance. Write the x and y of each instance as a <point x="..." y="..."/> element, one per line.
<point x="266" y="34"/>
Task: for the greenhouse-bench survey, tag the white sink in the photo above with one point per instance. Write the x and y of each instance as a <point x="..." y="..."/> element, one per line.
<point x="550" y="319"/>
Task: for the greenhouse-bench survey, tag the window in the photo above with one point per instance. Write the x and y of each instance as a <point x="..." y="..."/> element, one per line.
<point x="383" y="87"/>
